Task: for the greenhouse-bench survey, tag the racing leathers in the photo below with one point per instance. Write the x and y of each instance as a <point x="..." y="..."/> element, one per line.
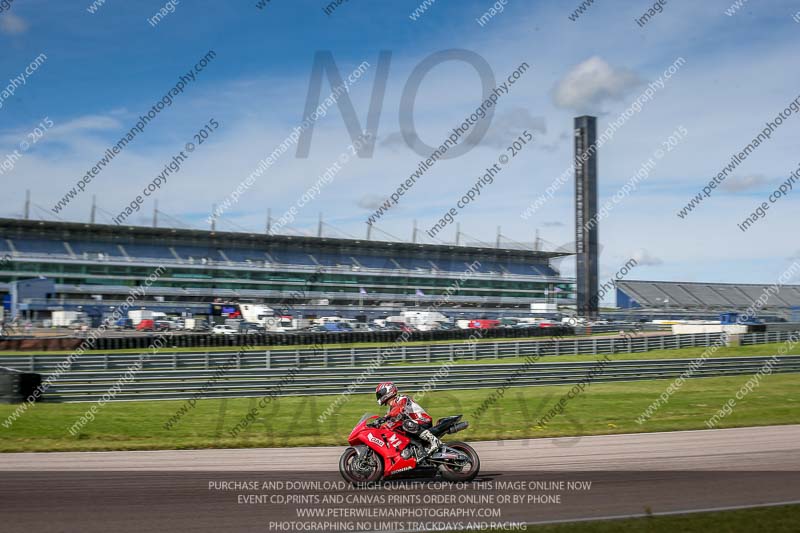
<point x="404" y="407"/>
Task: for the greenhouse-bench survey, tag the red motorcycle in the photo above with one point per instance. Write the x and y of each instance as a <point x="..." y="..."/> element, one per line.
<point x="378" y="451"/>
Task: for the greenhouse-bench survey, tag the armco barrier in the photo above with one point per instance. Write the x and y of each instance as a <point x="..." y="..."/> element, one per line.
<point x="322" y="355"/>
<point x="236" y="382"/>
<point x="16" y="386"/>
<point x="329" y="357"/>
<point x="252" y="373"/>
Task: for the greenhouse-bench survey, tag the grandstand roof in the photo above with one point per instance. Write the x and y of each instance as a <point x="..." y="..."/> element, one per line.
<point x="51" y="229"/>
<point x="697" y="295"/>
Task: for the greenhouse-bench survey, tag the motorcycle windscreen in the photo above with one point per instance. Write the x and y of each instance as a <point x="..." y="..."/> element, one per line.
<point x="365" y="417"/>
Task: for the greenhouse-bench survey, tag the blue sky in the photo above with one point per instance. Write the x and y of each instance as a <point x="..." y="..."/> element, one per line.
<point x="104" y="69"/>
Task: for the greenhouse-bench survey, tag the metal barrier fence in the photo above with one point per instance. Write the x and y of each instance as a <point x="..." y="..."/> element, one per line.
<point x="237" y="383"/>
<point x="767" y="337"/>
<point x="330" y="371"/>
<point x="340" y="357"/>
<point x="13" y="341"/>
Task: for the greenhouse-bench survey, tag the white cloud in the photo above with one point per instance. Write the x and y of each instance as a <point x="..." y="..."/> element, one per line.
<point x="555" y="144"/>
<point x="393" y="140"/>
<point x="645" y="258"/>
<point x="509" y="124"/>
<point x="591" y="83"/>
<point x="370" y="201"/>
<point x="69" y="132"/>
<point x="11" y="24"/>
<point x="506" y="126"/>
<point x="744" y="183"/>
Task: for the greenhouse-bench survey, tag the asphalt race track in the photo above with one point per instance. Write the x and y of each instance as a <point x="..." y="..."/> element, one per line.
<point x="526" y="481"/>
<point x="758" y="448"/>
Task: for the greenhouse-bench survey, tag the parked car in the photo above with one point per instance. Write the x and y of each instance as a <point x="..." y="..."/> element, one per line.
<point x="163" y="325"/>
<point x="483" y="323"/>
<point x="251" y="327"/>
<point x="123" y="323"/>
<point x="333" y="327"/>
<point x="224" y="330"/>
<point x="146" y="325"/>
<point x="203" y="327"/>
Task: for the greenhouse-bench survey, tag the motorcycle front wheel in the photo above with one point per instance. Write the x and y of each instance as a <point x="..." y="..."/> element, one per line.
<point x="369" y="469"/>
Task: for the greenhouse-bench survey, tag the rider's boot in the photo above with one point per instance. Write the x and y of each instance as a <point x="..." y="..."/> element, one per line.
<point x="433" y="443"/>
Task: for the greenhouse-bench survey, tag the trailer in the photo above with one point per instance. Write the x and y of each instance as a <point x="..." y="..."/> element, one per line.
<point x="424" y="320"/>
<point x="137" y="315"/>
<point x="64" y="319"/>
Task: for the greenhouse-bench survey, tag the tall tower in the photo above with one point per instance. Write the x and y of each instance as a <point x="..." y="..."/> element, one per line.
<point x="585" y="211"/>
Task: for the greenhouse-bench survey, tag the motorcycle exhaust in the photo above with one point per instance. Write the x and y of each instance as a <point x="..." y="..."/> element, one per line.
<point x="458" y="427"/>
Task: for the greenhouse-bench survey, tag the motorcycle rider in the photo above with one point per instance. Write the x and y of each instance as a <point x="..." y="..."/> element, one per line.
<point x="417" y="422"/>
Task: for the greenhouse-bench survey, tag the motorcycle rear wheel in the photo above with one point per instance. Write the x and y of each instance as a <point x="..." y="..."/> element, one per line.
<point x="351" y="474"/>
<point x="452" y="473"/>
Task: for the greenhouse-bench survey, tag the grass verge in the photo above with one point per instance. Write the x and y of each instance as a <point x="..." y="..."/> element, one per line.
<point x="605" y="408"/>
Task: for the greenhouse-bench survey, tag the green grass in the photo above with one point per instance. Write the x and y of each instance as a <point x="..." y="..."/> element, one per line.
<point x="604" y="408"/>
<point x="778" y="519"/>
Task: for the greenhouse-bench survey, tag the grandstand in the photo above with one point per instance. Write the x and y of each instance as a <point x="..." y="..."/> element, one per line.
<point x="94" y="265"/>
<point x="694" y="296"/>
